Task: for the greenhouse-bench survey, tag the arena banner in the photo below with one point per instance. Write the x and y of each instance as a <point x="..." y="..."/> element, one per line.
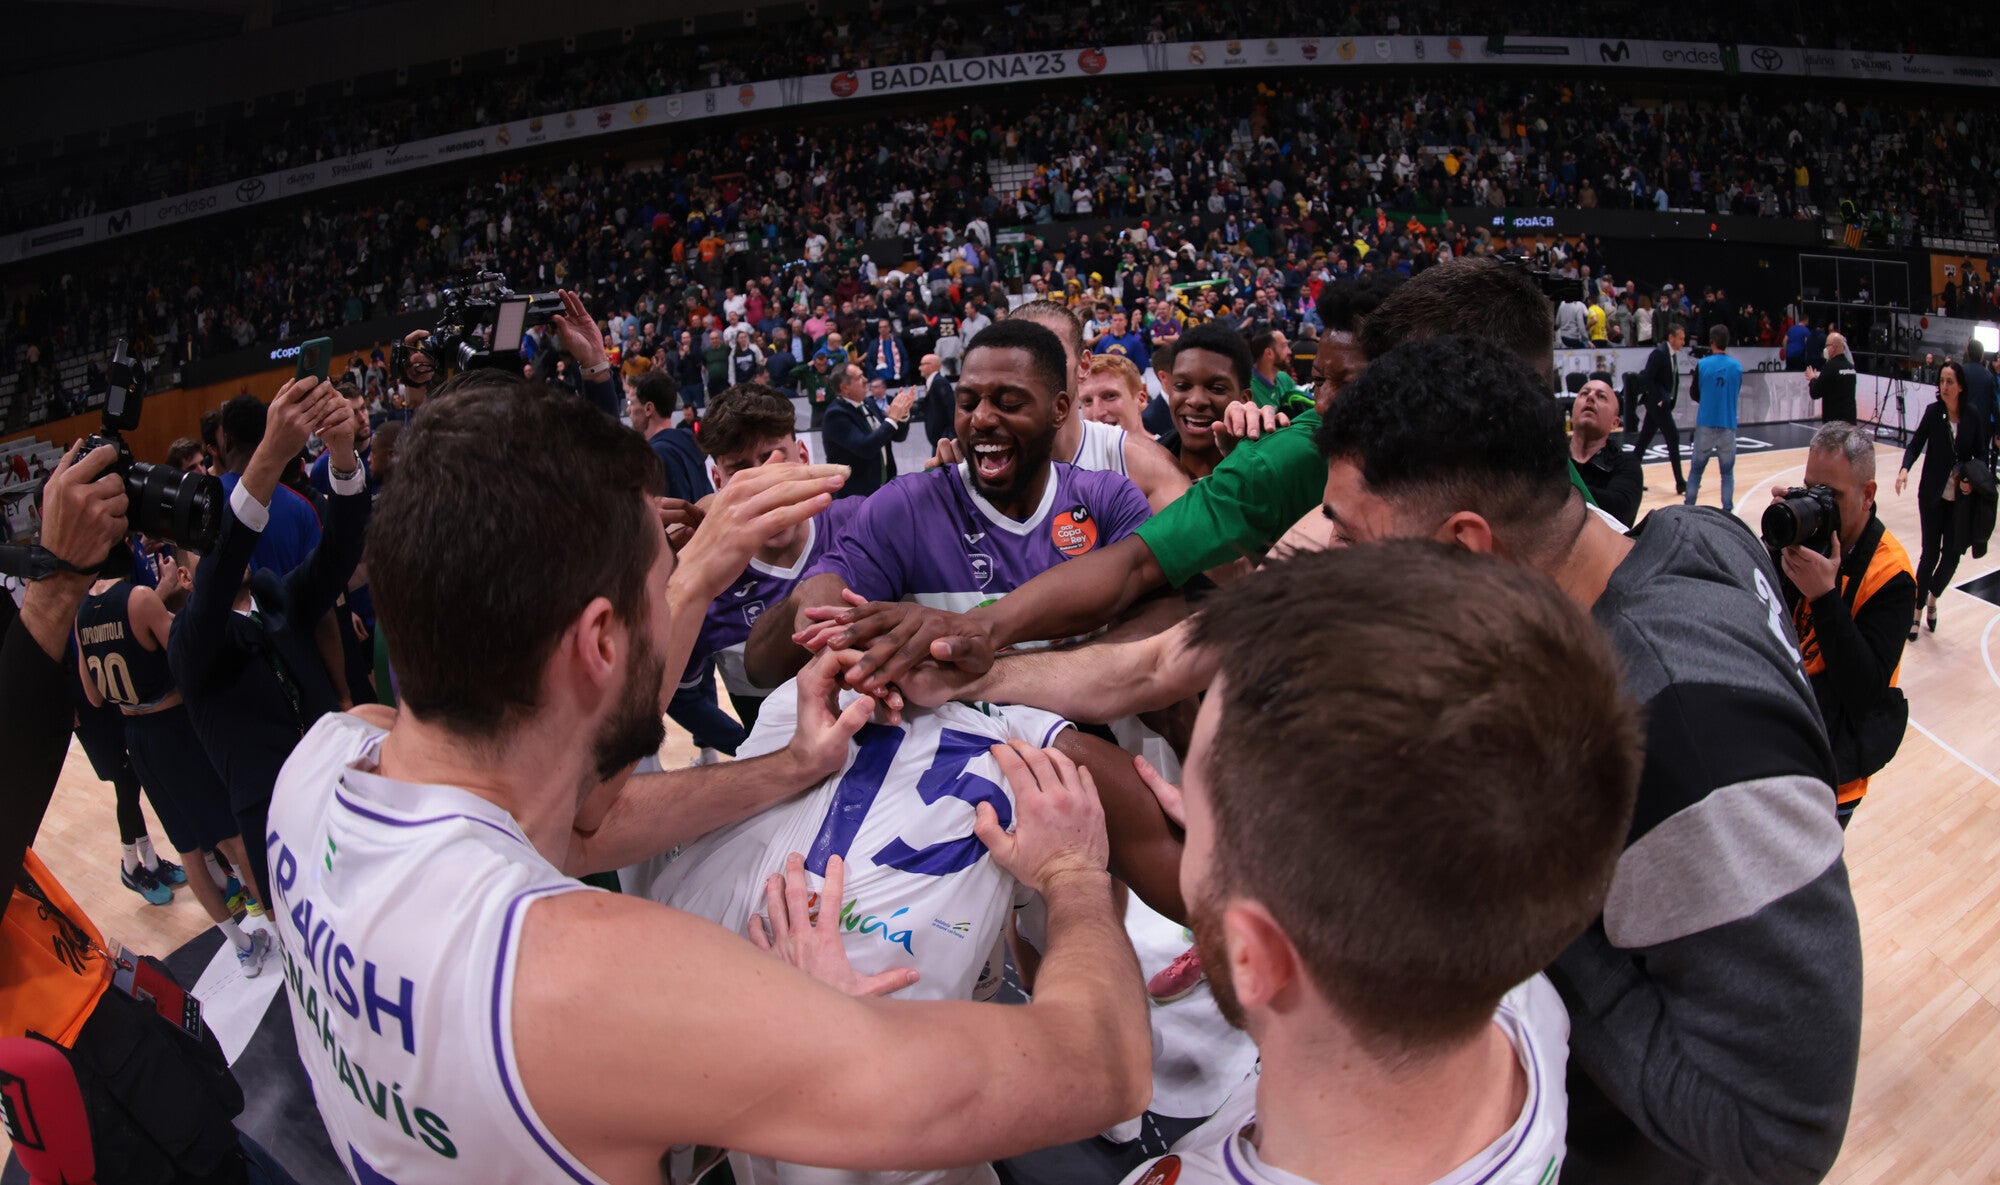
<point x="1543" y="54"/>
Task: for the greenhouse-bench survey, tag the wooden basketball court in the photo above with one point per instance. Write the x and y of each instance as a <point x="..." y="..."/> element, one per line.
<point x="1923" y="854"/>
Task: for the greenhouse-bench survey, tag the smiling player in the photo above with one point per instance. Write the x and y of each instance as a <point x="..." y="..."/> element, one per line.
<point x="961" y="536"/>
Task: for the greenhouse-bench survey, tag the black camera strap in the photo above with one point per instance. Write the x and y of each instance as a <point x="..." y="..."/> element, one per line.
<point x="32" y="561"/>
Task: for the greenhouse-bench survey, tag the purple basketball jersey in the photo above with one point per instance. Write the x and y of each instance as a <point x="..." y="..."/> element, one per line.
<point x="730" y="616"/>
<point x="928" y="538"/>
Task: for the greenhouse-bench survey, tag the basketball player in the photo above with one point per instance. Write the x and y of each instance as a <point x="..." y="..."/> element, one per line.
<point x="1716" y="1005"/>
<point x="965" y="535"/>
<point x="747" y="426"/>
<point x="529" y="1027"/>
<point x="1381" y="933"/>
<point x="121" y="630"/>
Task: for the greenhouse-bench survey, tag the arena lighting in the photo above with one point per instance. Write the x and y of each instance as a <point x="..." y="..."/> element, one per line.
<point x="1988" y="336"/>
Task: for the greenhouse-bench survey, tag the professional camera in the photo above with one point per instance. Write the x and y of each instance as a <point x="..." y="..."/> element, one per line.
<point x="182" y="508"/>
<point x="481" y="322"/>
<point x="1805" y="516"/>
<point x="1556" y="288"/>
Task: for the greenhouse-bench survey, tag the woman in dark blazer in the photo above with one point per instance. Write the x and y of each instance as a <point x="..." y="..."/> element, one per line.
<point x="1943" y="438"/>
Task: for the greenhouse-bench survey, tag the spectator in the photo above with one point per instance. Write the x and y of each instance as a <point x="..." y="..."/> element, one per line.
<point x="649" y="402"/>
<point x="860" y="433"/>
<point x="1832" y="382"/>
<point x="1612" y="475"/>
<point x="1718" y="380"/>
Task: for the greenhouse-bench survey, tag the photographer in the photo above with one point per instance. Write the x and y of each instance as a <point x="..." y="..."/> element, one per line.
<point x="159" y="1097"/>
<point x="1850" y="606"/>
<point x="243" y="651"/>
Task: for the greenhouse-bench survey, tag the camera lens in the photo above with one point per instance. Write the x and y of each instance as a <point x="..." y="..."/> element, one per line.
<point x="1791" y="519"/>
<point x="185" y="508"/>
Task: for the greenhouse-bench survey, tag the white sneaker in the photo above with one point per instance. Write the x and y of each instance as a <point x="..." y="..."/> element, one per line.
<point x="251" y="961"/>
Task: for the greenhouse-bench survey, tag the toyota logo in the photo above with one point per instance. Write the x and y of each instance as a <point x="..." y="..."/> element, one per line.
<point x="249" y="191"/>
<point x="1766" y="58"/>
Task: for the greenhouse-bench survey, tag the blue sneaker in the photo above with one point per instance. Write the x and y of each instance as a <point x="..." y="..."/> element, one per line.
<point x="233" y="896"/>
<point x="252" y="960"/>
<point x="142" y="881"/>
<point x="170" y="873"/>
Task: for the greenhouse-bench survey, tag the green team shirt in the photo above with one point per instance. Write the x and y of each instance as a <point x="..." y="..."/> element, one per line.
<point x="1261" y="488"/>
<point x="1285" y="394"/>
<point x="1248" y="503"/>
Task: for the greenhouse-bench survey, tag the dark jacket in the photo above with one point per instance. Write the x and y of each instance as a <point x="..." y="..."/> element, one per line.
<point x="227" y="665"/>
<point x="1979" y="400"/>
<point x="1941" y="449"/>
<point x="940" y="408"/>
<point x="34" y="734"/>
<point x="859" y="438"/>
<point x="1834" y="388"/>
<point x="1657" y="385"/>
<point x="687" y="471"/>
<point x="1616" y="479"/>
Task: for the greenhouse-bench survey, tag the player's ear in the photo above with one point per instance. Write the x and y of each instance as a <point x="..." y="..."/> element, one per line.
<point x="1262" y="960"/>
<point x="804" y="456"/>
<point x="1469" y="530"/>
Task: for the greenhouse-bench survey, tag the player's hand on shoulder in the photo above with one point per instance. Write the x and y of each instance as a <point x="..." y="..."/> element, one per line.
<point x="948" y="453"/>
<point x="1058" y="820"/>
<point x="1245" y="420"/>
<point x="802" y="930"/>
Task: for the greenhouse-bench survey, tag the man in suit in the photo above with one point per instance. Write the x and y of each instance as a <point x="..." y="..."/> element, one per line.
<point x="1832" y="382"/>
<point x="243" y="651"/>
<point x="886" y="356"/>
<point x="1981" y="407"/>
<point x="1660" y="387"/>
<point x="860" y="431"/>
<point x="939" y="417"/>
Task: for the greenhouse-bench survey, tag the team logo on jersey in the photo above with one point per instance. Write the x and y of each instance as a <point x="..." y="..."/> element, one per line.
<point x="752" y="611"/>
<point x="1165" y="1171"/>
<point x="1074" y="533"/>
<point x="982" y="567"/>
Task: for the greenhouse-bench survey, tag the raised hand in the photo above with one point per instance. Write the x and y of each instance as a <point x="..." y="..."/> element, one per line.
<point x="1244" y="420"/>
<point x="757" y="504"/>
<point x="819" y="743"/>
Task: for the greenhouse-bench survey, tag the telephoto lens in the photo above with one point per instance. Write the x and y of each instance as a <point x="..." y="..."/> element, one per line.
<point x="185" y="508"/>
<point x="1804" y="517"/>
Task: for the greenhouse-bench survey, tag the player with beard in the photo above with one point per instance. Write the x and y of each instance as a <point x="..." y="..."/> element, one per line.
<point x="435" y="937"/>
<point x="965" y="535"/>
<point x="1380" y="933"/>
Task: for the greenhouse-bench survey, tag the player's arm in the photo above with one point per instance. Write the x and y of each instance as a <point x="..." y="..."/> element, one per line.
<point x="1095" y="684"/>
<point x="630" y="819"/>
<point x="689" y="1035"/>
<point x="1145" y="844"/>
<point x="1153" y="470"/>
<point x="1071" y="598"/>
<point x="770" y="656"/>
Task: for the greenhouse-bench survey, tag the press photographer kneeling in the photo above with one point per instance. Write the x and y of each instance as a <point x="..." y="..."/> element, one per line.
<point x="1850" y="590"/>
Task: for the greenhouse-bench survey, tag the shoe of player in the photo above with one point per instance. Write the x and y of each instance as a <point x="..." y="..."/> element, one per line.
<point x="142" y="881"/>
<point x="170" y="873"/>
<point x="233" y="896"/>
<point x="252" y="961"/>
<point x="252" y="906"/>
<point x="1177" y="978"/>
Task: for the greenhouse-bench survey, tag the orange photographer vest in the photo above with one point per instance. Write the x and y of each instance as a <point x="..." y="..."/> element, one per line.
<point x="53" y="963"/>
<point x="1889" y="559"/>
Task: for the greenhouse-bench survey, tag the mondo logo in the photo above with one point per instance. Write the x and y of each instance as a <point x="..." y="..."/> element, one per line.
<point x="845" y="84"/>
<point x="1766" y="58"/>
<point x="1090" y="61"/>
<point x="249" y="191"/>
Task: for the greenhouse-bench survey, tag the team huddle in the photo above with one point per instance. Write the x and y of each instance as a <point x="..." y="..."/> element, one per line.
<point x="1354" y="743"/>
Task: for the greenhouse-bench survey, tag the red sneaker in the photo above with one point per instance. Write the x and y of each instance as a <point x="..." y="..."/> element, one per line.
<point x="1177" y="978"/>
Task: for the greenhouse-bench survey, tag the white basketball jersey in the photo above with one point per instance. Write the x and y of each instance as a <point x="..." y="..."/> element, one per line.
<point x="399" y="911"/>
<point x="921" y="890"/>
<point x="1103" y="448"/>
<point x="1222" y="1152"/>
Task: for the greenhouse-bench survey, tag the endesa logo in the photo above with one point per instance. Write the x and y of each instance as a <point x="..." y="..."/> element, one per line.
<point x="184" y="208"/>
<point x="1691" y="56"/>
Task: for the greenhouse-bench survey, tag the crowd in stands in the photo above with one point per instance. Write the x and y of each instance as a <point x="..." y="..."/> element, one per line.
<point x="54" y="183"/>
<point x="1264" y="180"/>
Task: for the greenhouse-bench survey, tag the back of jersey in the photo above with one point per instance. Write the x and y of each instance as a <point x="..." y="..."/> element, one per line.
<point x="126" y="673"/>
<point x="921" y="890"/>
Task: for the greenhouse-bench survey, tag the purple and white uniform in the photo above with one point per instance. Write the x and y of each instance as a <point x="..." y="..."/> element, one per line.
<point x="761" y="587"/>
<point x="931" y="538"/>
